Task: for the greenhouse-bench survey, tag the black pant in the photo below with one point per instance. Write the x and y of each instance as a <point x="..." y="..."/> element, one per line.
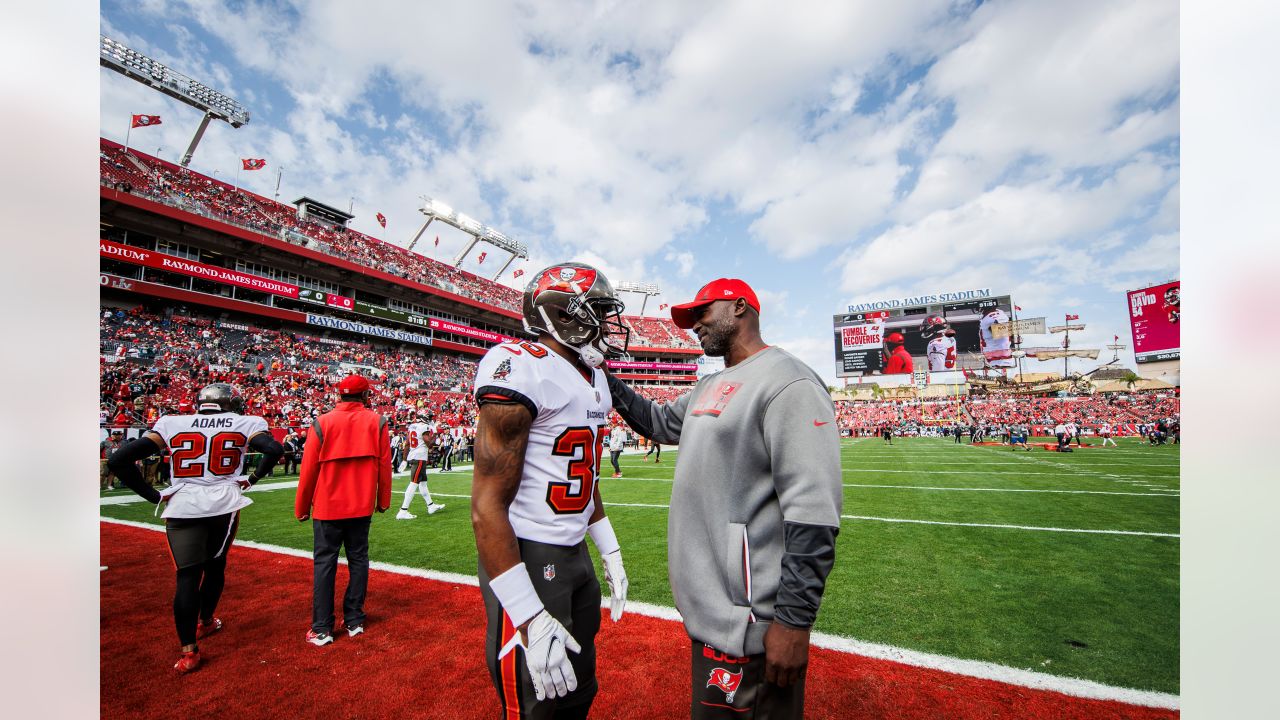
<point x="613" y="458"/>
<point x="291" y="462"/>
<point x="565" y="580"/>
<point x="329" y="535"/>
<point x="726" y="687"/>
<point x="446" y="459"/>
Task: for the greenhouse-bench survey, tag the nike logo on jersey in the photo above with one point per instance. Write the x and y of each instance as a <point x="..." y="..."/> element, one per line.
<point x="820" y="424"/>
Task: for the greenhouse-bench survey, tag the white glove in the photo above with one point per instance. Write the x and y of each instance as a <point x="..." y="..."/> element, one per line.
<point x="616" y="577"/>
<point x="546" y="658"/>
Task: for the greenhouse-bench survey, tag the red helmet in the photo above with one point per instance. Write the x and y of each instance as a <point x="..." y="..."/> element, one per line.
<point x="933" y="326"/>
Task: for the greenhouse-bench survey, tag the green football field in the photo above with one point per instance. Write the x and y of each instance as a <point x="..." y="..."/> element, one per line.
<point x="1060" y="563"/>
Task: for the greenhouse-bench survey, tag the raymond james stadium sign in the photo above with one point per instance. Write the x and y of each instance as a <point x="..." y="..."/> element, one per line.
<point x="922" y="300"/>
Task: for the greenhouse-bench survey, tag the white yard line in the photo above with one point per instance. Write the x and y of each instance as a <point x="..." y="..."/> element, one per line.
<point x="1073" y="687"/>
<point x="979" y="471"/>
<point x="1013" y="490"/>
<point x="1011" y="527"/>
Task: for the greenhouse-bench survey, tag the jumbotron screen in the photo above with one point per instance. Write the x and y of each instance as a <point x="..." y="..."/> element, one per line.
<point x="1153" y="319"/>
<point x="935" y="337"/>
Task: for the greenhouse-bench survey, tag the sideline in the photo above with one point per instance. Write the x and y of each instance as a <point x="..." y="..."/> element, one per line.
<point x="1073" y="687"/>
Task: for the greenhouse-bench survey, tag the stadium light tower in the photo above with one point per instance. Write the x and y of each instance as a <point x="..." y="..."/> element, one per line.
<point x="647" y="289"/>
<point x="154" y="74"/>
<point x="437" y="210"/>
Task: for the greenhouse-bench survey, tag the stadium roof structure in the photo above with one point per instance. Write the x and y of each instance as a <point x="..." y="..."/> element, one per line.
<point x="117" y="56"/>
<point x="308" y="207"/>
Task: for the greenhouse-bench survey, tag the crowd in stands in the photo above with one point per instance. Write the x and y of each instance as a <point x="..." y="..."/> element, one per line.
<point x="173" y="185"/>
<point x="154" y="363"/>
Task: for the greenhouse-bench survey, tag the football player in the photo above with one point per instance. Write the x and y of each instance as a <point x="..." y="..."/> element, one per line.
<point x="419" y="447"/>
<point x="544" y="409"/>
<point x="997" y="351"/>
<point x="202" y="506"/>
<point x="942" y="343"/>
<point x="897" y="360"/>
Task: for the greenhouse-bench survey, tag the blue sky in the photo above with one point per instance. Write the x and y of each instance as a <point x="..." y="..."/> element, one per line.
<point x="838" y="152"/>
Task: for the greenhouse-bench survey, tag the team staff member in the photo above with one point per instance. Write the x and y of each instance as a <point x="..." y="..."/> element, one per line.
<point x="755" y="507"/>
<point x="617" y="439"/>
<point x="202" y="507"/>
<point x="346" y="475"/>
<point x="536" y="496"/>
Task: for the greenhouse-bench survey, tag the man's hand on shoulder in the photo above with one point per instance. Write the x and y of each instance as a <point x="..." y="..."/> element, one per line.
<point x="786" y="653"/>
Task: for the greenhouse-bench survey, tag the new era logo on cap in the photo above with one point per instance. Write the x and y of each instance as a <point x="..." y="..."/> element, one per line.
<point x="685" y="315"/>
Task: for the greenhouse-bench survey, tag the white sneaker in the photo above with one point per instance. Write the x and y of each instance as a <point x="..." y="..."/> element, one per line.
<point x="434" y="508"/>
<point x="406" y="515"/>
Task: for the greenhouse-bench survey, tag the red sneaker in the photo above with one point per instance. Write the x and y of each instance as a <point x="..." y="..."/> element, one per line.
<point x="188" y="662"/>
<point x="204" y="630"/>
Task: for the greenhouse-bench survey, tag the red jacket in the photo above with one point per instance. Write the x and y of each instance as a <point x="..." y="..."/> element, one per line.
<point x="346" y="465"/>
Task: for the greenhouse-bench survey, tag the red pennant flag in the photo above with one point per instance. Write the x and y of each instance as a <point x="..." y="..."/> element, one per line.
<point x="517" y="273"/>
<point x="483" y="255"/>
<point x="663" y="306"/>
<point x="145" y="120"/>
<point x="253" y="163"/>
<point x="1116" y="339"/>
<point x="1015" y="307"/>
<point x="437" y="241"/>
<point x="1073" y="317"/>
<point x="382" y="220"/>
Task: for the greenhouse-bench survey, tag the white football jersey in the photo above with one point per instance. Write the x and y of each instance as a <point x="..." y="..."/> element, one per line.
<point x="419" y="432"/>
<point x="206" y="458"/>
<point x="562" y="462"/>
<point x="997" y="350"/>
<point x="942" y="353"/>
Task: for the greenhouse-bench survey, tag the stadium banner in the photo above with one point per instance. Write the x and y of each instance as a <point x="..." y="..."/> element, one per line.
<point x="363" y="329"/>
<point x="1021" y="326"/>
<point x="340" y="302"/>
<point x="114" y="281"/>
<point x="161" y="261"/>
<point x="628" y="365"/>
<point x="922" y="300"/>
<point x="466" y="331"/>
<point x="1153" y="319"/>
<point x="378" y="311"/>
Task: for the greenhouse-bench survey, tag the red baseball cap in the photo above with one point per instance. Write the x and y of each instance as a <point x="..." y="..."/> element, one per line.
<point x="684" y="316"/>
<point x="352" y="385"/>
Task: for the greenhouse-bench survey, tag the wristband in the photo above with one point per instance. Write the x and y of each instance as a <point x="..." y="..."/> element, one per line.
<point x="601" y="532"/>
<point x="516" y="594"/>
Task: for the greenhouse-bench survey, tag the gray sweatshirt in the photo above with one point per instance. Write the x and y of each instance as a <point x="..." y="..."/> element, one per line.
<point x="757" y="497"/>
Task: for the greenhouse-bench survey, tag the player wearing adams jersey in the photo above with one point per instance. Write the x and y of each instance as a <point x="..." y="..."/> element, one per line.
<point x="419" y="432"/>
<point x="202" y="506"/>
<point x="539" y="438"/>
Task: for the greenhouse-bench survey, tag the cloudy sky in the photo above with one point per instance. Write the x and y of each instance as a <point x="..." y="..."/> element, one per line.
<point x="837" y="152"/>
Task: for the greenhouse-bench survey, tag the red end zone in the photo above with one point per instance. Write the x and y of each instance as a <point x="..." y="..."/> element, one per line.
<point x="422" y="656"/>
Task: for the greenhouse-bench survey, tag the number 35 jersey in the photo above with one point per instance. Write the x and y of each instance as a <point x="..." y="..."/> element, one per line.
<point x="562" y="462"/>
<point x="207" y="454"/>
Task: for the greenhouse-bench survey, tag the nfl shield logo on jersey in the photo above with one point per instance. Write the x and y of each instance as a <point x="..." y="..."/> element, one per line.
<point x="549" y="572"/>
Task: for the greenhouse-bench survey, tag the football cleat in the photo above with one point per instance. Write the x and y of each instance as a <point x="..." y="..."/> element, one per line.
<point x="406" y="515"/>
<point x="434" y="508"/>
<point x="188" y="662"/>
<point x="354" y="631"/>
<point x="617" y="475"/>
<point x="205" y="629"/>
<point x="319" y="638"/>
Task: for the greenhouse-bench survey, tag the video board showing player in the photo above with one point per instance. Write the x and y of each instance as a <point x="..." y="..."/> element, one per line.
<point x="1154" y="313"/>
<point x="934" y="338"/>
